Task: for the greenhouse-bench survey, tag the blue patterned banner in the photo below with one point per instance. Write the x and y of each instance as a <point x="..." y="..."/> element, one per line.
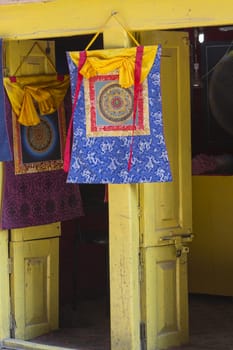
<point x="5" y="151"/>
<point x="104" y="128"/>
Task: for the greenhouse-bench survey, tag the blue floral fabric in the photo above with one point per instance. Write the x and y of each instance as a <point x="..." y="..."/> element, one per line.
<point x="104" y="159"/>
<point x="5" y="150"/>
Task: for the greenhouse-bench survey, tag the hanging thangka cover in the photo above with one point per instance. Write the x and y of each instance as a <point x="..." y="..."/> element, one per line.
<point x="117" y="117"/>
<point x="39" y="123"/>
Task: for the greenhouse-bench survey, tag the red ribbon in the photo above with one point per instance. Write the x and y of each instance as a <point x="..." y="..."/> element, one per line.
<point x="137" y="76"/>
<point x="67" y="152"/>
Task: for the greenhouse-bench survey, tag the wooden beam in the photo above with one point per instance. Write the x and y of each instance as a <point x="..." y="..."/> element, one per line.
<point x="74" y="17"/>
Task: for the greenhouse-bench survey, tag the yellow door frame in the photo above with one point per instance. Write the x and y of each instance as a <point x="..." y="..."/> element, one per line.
<point x="4" y="289"/>
<point x="124" y="267"/>
<point x="123" y="247"/>
<point x="4" y="273"/>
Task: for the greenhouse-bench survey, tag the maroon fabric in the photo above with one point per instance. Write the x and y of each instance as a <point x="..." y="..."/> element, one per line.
<point x="38" y="198"/>
<point x="203" y="163"/>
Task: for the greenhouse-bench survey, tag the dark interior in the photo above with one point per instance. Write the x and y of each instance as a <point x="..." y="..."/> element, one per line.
<point x="82" y="277"/>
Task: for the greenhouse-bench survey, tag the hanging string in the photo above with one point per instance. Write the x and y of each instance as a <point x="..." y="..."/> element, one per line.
<point x="129" y="34"/>
<point x="98" y="33"/>
<point x="113" y="14"/>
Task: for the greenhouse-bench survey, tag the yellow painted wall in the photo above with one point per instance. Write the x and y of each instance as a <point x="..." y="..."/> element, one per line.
<point x="74" y="17"/>
<point x="211" y="252"/>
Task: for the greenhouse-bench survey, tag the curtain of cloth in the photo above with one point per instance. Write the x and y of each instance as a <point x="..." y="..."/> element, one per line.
<point x="39" y="198"/>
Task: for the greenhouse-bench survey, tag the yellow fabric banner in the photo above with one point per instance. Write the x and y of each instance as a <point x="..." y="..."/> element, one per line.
<point x="105" y="61"/>
<point x="26" y="94"/>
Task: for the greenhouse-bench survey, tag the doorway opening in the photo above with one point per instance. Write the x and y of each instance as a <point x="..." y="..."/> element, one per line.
<point x="210" y="263"/>
<point x="84" y="279"/>
<point x="84" y="316"/>
<point x="83" y="249"/>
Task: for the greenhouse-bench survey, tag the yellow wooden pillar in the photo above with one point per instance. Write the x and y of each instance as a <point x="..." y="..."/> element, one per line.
<point x="124" y="274"/>
<point x="4" y="273"/>
<point x="4" y="290"/>
<point x="123" y="245"/>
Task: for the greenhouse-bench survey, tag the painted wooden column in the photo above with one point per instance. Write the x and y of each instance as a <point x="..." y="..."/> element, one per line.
<point x="4" y="290"/>
<point x="124" y="274"/>
<point x="123" y="245"/>
<point x="4" y="273"/>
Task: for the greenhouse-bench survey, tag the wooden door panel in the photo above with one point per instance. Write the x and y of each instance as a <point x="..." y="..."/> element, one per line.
<point x="165" y="316"/>
<point x="167" y="206"/>
<point x="165" y="217"/>
<point x="35" y="286"/>
<point x="36" y="232"/>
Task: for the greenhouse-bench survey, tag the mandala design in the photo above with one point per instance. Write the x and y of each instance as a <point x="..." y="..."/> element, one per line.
<point x="109" y="108"/>
<point x="40" y="147"/>
<point x="115" y="104"/>
<point x="40" y="137"/>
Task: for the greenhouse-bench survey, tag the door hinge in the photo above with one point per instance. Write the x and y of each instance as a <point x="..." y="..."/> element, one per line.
<point x="12" y="320"/>
<point x="139" y="211"/>
<point x="141" y="234"/>
<point x="141" y="268"/>
<point x="143" y="335"/>
<point x="10" y="265"/>
<point x="12" y="325"/>
<point x="141" y="237"/>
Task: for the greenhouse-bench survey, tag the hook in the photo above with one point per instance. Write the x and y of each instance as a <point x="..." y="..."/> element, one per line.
<point x="114" y="13"/>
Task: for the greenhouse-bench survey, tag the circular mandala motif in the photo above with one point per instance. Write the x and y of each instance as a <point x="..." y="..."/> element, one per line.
<point x="39" y="137"/>
<point x="115" y="104"/>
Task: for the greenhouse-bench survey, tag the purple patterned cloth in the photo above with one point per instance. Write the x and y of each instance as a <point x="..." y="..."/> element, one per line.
<point x="38" y="198"/>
